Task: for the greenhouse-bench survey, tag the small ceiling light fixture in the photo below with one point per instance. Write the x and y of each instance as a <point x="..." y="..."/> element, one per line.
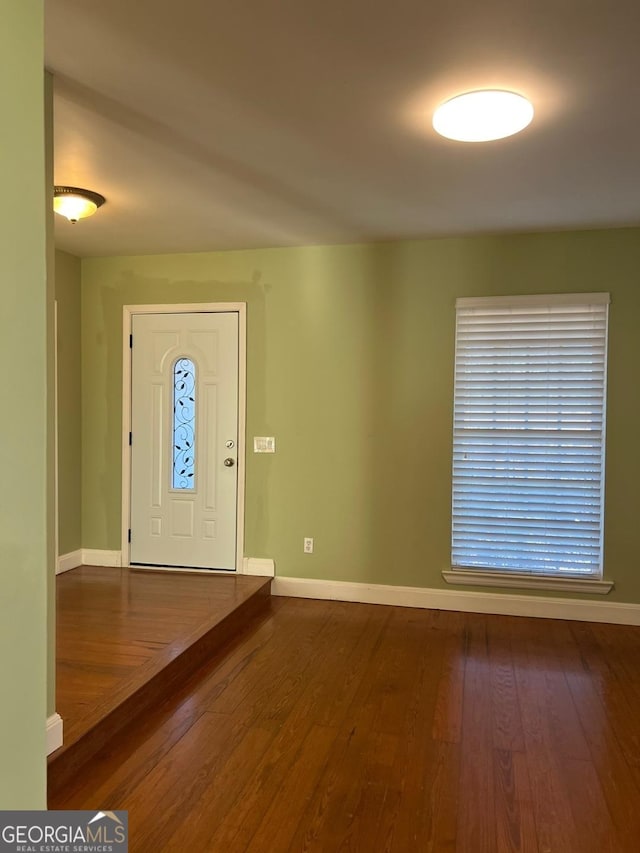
<point x="483" y="115"/>
<point x="76" y="203"/>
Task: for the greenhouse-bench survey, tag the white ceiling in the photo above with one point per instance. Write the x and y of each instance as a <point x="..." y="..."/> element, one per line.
<point x="216" y="124"/>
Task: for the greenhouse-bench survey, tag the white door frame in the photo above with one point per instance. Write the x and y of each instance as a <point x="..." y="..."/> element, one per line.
<point x="128" y="312"/>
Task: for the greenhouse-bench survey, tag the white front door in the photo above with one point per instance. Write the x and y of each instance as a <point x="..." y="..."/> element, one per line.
<point x="184" y="438"/>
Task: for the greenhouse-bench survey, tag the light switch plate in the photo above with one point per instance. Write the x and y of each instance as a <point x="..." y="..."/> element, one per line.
<point x="264" y="444"/>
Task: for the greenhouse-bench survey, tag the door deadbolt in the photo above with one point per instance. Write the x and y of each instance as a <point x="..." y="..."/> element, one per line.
<point x="229" y="462"/>
<point x="229" y="444"/>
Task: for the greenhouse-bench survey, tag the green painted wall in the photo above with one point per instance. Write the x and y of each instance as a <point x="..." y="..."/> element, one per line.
<point x="50" y="253"/>
<point x="67" y="280"/>
<point x="350" y="366"/>
<point x="23" y="427"/>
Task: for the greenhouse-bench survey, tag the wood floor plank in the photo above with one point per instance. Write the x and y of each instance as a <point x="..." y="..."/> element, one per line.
<point x="552" y="808"/>
<point x="515" y="820"/>
<point x="423" y="812"/>
<point x="564" y="722"/>
<point x="340" y="795"/>
<point x="442" y="800"/>
<point x="287" y="809"/>
<point x="447" y="719"/>
<point x="336" y="727"/>
<point x="477" y="706"/>
<point x="225" y="754"/>
<point x="595" y="830"/>
<point x="622" y="711"/>
<point x="352" y="818"/>
<point x="200" y="817"/>
<point x="405" y="637"/>
<point x="117" y="772"/>
<point x="244" y="816"/>
<point x="621" y="650"/>
<point x="419" y="777"/>
<point x="293" y="637"/>
<point x="506" y="720"/>
<point x="330" y="706"/>
<point x="476" y="815"/>
<point x="299" y="669"/>
<point x="620" y="789"/>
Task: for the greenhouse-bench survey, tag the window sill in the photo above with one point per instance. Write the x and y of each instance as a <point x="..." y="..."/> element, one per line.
<point x="466" y="577"/>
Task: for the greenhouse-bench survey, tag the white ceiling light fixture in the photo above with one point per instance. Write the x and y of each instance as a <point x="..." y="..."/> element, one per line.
<point x="483" y="115"/>
<point x="75" y="203"/>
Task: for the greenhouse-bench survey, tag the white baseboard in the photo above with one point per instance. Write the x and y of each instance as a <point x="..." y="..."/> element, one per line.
<point x="181" y="570"/>
<point x="250" y="565"/>
<point x="468" y="602"/>
<point x="87" y="557"/>
<point x="54" y="733"/>
<point x="69" y="561"/>
<point x="258" y="566"/>
<point x="93" y="557"/>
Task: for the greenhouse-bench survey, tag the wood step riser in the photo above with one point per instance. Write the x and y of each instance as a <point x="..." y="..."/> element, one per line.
<point x="77" y="752"/>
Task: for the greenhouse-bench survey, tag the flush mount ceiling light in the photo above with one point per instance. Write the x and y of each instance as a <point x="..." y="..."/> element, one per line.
<point x="75" y="203"/>
<point x="483" y="115"/>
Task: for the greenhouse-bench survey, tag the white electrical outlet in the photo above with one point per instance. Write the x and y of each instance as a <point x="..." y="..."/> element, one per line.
<point x="308" y="545"/>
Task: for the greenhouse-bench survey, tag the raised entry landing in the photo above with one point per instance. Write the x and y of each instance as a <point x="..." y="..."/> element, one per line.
<point x="127" y="637"/>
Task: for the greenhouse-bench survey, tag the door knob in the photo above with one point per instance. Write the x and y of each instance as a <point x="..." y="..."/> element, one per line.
<point x="229" y="462"/>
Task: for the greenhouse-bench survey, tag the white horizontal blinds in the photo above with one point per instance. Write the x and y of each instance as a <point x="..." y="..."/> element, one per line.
<point x="528" y="457"/>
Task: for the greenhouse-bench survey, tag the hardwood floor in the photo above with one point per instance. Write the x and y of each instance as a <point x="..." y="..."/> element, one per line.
<point x="126" y="637"/>
<point x="347" y="727"/>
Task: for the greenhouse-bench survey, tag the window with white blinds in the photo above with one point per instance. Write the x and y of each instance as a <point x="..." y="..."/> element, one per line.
<point x="528" y="447"/>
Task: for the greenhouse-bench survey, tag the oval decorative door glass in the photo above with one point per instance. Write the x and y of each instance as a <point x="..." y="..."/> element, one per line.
<point x="184" y="424"/>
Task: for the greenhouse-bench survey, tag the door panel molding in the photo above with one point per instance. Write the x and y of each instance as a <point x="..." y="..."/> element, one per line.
<point x="128" y="312"/>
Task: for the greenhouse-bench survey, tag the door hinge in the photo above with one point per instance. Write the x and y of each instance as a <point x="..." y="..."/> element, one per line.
<point x="130" y="439"/>
<point x="130" y="341"/>
<point x="129" y="537"/>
